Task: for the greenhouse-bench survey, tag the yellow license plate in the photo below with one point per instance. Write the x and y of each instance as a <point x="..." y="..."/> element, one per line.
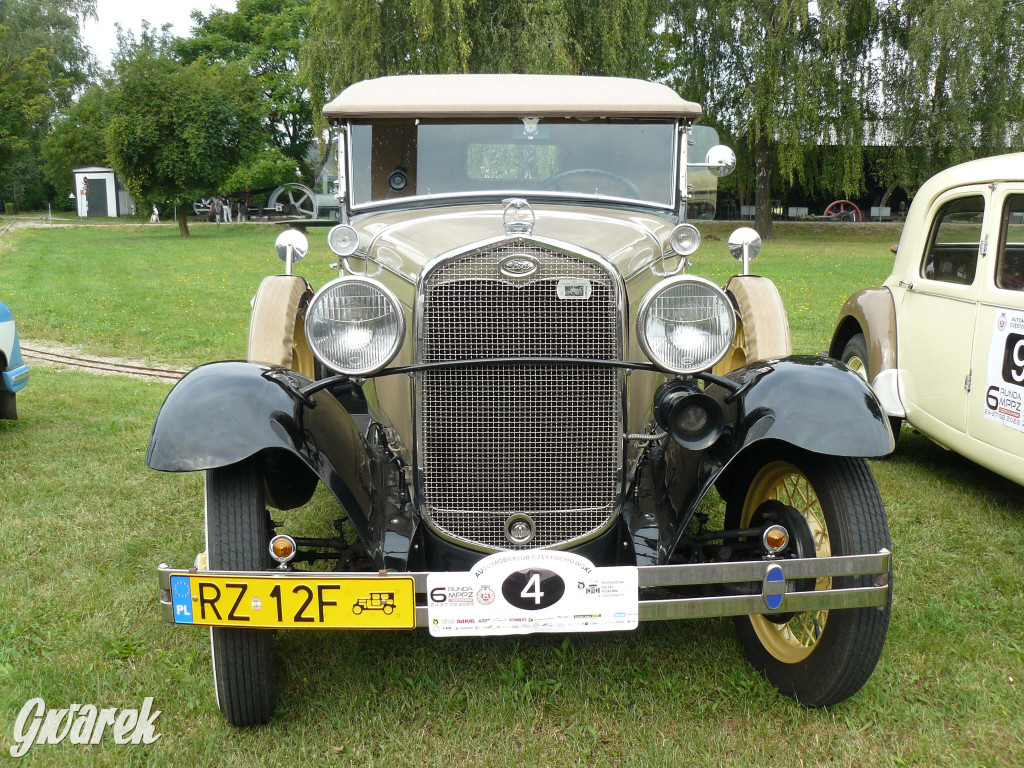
<point x="295" y="602"/>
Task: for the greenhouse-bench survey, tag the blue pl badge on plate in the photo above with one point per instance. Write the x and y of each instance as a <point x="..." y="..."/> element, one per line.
<point x="181" y="599"/>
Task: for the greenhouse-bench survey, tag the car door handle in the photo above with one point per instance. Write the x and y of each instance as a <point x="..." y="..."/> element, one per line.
<point x="905" y="284"/>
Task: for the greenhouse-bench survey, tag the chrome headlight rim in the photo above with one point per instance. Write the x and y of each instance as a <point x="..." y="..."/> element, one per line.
<point x="399" y="336"/>
<point x="347" y="229"/>
<point x="644" y="308"/>
<point x="676" y="236"/>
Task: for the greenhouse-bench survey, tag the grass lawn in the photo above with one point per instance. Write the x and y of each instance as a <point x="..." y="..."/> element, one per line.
<point x="144" y="292"/>
<point x="88" y="522"/>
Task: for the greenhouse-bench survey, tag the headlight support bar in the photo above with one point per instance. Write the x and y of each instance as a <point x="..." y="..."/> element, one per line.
<point x="628" y="365"/>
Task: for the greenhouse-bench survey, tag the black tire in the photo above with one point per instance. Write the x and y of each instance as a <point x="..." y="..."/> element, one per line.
<point x="237" y="536"/>
<point x="855" y="357"/>
<point x="8" y="405"/>
<point x="819" y="658"/>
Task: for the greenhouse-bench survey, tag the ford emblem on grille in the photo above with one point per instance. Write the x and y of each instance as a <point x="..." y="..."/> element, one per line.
<point x="518" y="266"/>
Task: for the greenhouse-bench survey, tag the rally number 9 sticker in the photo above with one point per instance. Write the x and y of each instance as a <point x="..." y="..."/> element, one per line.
<point x="1013" y="359"/>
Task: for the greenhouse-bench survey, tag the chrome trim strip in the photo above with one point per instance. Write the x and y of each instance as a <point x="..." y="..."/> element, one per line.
<point x="416" y="491"/>
<point x="499" y="194"/>
<point x="920" y="292"/>
<point x="748" y="605"/>
<point x="754" y="570"/>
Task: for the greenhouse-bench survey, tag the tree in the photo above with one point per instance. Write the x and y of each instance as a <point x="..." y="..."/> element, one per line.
<point x="24" y="107"/>
<point x="617" y="37"/>
<point x="266" y="36"/>
<point x="360" y="39"/>
<point x="952" y="73"/>
<point x="178" y="131"/>
<point x="78" y="138"/>
<point x="43" y="63"/>
<point x="782" y="78"/>
<point x="54" y="26"/>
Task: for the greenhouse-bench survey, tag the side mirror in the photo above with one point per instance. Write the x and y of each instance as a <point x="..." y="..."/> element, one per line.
<point x="744" y="245"/>
<point x="291" y="246"/>
<point x="720" y="160"/>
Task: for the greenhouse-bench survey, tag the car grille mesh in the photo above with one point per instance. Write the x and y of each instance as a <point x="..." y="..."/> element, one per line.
<point x="537" y="439"/>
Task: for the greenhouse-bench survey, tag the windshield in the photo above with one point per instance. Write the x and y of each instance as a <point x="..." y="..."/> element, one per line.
<point x="625" y="159"/>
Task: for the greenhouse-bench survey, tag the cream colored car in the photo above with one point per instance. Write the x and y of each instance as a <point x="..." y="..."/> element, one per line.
<point x="942" y="341"/>
<point x="520" y="396"/>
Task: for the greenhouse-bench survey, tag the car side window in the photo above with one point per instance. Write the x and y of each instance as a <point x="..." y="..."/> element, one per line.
<point x="952" y="253"/>
<point x="1010" y="264"/>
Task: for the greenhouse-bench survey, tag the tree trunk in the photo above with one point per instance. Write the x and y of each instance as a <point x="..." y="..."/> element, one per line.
<point x="183" y="220"/>
<point x="887" y="195"/>
<point x="763" y="188"/>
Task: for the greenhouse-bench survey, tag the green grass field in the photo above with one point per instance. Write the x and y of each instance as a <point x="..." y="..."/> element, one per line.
<point x="85" y="523"/>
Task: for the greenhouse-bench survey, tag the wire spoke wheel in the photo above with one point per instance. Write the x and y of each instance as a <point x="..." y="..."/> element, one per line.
<point x="818" y="657"/>
<point x="794" y="640"/>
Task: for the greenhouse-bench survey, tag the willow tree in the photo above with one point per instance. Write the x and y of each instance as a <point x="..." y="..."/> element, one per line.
<point x="782" y="78"/>
<point x="358" y="39"/>
<point x="952" y="73"/>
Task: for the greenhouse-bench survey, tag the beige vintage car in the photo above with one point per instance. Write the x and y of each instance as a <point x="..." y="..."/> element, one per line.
<point x="942" y="340"/>
<point x="520" y="399"/>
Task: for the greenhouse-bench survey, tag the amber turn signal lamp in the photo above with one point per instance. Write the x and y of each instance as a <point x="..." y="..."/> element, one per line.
<point x="282" y="548"/>
<point x="776" y="538"/>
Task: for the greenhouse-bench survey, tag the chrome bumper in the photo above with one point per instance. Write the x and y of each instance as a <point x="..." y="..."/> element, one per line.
<point x="875" y="596"/>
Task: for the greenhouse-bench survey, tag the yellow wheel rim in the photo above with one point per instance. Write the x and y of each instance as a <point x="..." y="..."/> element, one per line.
<point x="795" y="640"/>
<point x="856" y="365"/>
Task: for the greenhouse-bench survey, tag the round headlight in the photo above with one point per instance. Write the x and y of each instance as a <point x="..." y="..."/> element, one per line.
<point x="685" y="239"/>
<point x="685" y="324"/>
<point x="355" y="325"/>
<point x="343" y="240"/>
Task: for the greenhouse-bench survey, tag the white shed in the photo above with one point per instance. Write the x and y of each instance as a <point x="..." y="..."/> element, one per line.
<point x="98" y="192"/>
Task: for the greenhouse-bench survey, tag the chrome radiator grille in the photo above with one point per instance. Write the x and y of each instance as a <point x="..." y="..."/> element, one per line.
<point x="539" y="439"/>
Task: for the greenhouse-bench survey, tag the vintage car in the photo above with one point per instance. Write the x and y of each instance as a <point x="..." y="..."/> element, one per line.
<point x="520" y="399"/>
<point x="942" y="340"/>
<point x="13" y="369"/>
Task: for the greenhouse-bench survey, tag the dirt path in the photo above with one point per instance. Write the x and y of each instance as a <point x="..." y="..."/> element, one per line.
<point x="70" y="357"/>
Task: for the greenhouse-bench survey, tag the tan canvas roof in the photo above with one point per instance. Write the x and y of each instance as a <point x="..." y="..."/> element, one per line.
<point x="508" y="96"/>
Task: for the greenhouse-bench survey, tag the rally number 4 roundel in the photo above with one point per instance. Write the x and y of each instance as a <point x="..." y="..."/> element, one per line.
<point x="541" y="590"/>
<point x="533" y="589"/>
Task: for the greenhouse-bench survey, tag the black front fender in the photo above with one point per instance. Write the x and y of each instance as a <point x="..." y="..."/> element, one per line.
<point x="223" y="413"/>
<point x="812" y="403"/>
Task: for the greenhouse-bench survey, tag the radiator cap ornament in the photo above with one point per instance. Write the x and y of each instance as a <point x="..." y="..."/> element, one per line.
<point x="518" y="216"/>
